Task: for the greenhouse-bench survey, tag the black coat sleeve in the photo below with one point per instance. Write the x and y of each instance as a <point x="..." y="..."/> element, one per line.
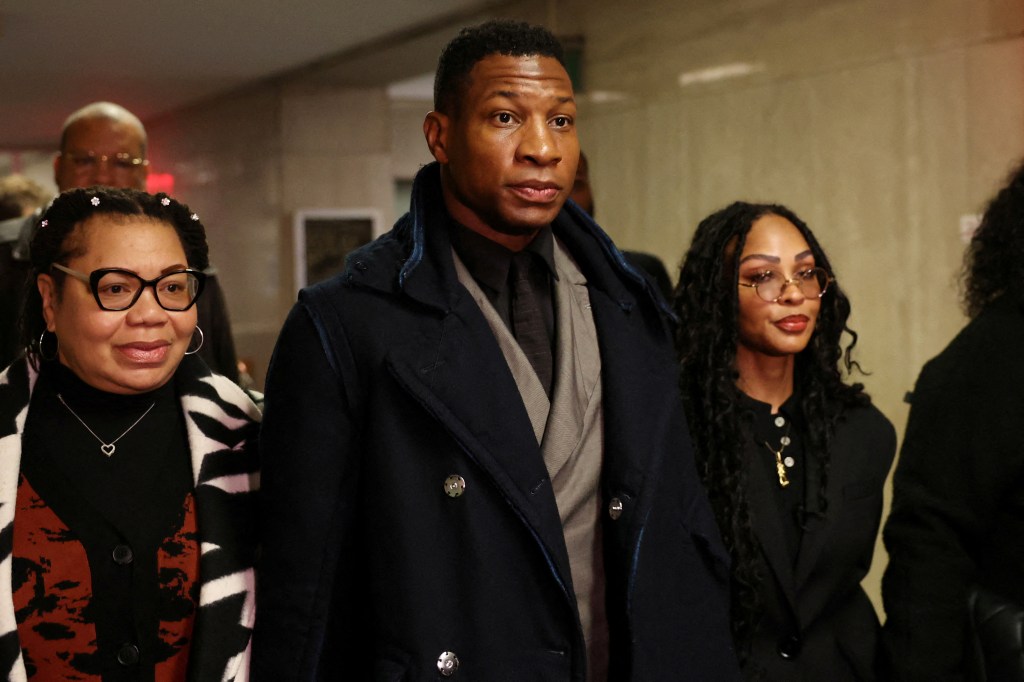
<point x="308" y="478"/>
<point x="960" y="454"/>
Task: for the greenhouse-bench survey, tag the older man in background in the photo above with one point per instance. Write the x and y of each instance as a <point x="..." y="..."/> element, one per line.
<point x="101" y="144"/>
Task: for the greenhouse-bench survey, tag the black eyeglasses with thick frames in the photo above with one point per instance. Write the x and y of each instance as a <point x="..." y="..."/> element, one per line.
<point x="769" y="285"/>
<point x="115" y="289"/>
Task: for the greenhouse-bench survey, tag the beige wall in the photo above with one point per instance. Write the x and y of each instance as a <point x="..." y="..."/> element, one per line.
<point x="247" y="162"/>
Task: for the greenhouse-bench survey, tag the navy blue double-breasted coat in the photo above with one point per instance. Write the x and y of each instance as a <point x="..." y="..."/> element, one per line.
<point x="385" y="382"/>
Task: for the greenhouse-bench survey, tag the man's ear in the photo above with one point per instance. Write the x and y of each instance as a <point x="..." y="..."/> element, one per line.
<point x="48" y="291"/>
<point x="58" y="161"/>
<point x="435" y="130"/>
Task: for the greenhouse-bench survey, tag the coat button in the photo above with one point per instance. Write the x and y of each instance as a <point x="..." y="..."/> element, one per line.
<point x="128" y="655"/>
<point x="447" y="663"/>
<point x="789" y="647"/>
<point x="123" y="555"/>
<point x="454" y="486"/>
<point x="615" y="508"/>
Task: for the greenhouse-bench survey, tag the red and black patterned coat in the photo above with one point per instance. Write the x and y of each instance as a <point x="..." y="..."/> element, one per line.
<point x="222" y="426"/>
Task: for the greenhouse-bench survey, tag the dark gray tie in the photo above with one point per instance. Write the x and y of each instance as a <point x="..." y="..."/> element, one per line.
<point x="528" y="319"/>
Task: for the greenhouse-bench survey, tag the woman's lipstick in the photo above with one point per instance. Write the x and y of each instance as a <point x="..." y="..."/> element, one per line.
<point x="793" y="324"/>
<point x="145" y="352"/>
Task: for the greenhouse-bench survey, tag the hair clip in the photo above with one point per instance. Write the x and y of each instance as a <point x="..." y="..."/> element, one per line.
<point x="95" y="201"/>
<point x="165" y="201"/>
<point x="195" y="217"/>
<point x="44" y="224"/>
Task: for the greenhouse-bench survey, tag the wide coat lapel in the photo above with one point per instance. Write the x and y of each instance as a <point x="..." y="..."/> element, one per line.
<point x="222" y="426"/>
<point x="634" y="384"/>
<point x="535" y="399"/>
<point x="458" y="373"/>
<point x="453" y="366"/>
<point x="577" y="365"/>
<point x="817" y="527"/>
<point x="557" y="423"/>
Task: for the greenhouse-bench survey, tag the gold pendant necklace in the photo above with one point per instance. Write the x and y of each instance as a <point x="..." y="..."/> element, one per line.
<point x="780" y="465"/>
<point x="780" y="468"/>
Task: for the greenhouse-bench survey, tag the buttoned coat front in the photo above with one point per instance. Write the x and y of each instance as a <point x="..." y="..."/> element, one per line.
<point x="386" y="381"/>
<point x="818" y="623"/>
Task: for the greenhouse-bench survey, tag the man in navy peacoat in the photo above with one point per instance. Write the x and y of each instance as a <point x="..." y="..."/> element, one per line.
<point x="410" y="528"/>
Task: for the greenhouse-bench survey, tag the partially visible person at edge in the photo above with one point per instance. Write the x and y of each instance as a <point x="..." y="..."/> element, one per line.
<point x="957" y="520"/>
<point x="20" y="197"/>
<point x="793" y="457"/>
<point x="100" y="144"/>
<point x="127" y="469"/>
<point x="437" y="502"/>
<point x="648" y="263"/>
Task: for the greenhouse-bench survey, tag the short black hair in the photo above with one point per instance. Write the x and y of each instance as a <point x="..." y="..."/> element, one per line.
<point x="54" y="240"/>
<point x="473" y="43"/>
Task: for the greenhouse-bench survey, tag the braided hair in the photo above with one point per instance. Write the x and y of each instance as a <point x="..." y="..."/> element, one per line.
<point x="56" y="239"/>
<point x="707" y="300"/>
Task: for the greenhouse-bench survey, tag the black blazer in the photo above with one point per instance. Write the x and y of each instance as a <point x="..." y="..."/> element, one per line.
<point x="818" y="623"/>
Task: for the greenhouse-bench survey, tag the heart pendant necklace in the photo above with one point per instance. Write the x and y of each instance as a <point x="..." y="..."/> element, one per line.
<point x="106" y="448"/>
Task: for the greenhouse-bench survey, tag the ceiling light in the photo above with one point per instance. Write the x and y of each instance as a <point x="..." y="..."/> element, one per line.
<point x="718" y="73"/>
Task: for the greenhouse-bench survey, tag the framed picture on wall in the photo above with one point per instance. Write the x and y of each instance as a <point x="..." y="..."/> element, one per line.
<point x="323" y="238"/>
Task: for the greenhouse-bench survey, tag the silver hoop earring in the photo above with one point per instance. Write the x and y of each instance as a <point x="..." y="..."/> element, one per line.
<point x="56" y="346"/>
<point x="202" y="338"/>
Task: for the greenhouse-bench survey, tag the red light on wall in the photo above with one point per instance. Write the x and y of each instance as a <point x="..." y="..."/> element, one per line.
<point x="160" y="182"/>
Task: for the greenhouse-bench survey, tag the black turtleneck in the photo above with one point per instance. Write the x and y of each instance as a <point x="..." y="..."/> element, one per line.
<point x="121" y="507"/>
<point x="767" y="431"/>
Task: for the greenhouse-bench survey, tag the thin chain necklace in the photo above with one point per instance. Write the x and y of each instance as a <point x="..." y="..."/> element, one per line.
<point x="106" y="448"/>
<point x="780" y="465"/>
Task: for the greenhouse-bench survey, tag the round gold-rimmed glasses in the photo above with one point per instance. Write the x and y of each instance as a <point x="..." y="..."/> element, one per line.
<point x="769" y="285"/>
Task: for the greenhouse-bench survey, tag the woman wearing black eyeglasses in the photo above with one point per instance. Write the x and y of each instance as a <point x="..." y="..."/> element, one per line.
<point x="127" y="469"/>
<point x="793" y="457"/>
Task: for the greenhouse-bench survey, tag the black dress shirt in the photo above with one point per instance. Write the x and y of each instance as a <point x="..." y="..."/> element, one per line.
<point x="121" y="507"/>
<point x="767" y="430"/>
<point x="489" y="263"/>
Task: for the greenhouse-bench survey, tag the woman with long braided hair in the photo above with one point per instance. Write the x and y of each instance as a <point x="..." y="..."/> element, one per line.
<point x="793" y="456"/>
